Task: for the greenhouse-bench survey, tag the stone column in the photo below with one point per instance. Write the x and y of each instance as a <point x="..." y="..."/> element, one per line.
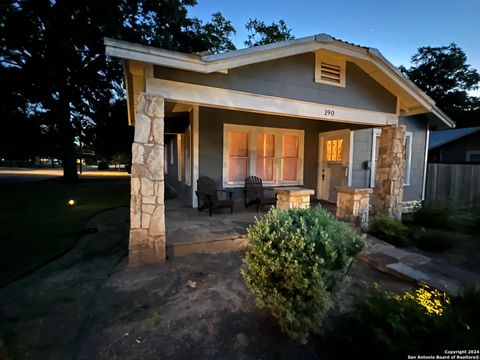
<point x="147" y="209"/>
<point x="353" y="205"/>
<point x="293" y="198"/>
<point x="388" y="191"/>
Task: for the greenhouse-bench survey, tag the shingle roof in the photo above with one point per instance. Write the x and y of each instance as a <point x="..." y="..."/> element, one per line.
<point x="442" y="137"/>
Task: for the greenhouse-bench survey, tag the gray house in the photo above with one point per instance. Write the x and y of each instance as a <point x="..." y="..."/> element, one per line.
<point x="455" y="146"/>
<point x="307" y="112"/>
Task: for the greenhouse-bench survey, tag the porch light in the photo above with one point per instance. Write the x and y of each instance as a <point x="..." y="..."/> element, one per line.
<point x="71" y="202"/>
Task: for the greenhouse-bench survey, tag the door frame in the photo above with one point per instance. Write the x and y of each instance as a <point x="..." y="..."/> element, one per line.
<point x="323" y="187"/>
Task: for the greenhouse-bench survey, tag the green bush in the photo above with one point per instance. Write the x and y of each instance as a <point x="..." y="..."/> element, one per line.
<point x="435" y="217"/>
<point x="385" y="326"/>
<point x="389" y="229"/>
<point x="433" y="240"/>
<point x="295" y="259"/>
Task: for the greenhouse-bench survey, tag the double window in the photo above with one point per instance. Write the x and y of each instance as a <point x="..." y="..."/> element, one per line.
<point x="274" y="155"/>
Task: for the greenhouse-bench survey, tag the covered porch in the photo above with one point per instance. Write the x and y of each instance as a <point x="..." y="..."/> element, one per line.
<point x="190" y="231"/>
<point x="160" y="227"/>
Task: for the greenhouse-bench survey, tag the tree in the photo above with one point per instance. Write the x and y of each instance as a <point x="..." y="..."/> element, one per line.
<point x="53" y="55"/>
<point x="444" y="74"/>
<point x="261" y="34"/>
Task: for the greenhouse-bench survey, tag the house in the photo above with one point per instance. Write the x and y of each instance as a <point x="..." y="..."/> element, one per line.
<point x="315" y="112"/>
<point x="455" y="146"/>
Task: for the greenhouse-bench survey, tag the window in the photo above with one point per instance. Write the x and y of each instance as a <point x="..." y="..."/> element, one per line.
<point x="265" y="156"/>
<point x="329" y="69"/>
<point x="473" y="156"/>
<point x="274" y="155"/>
<point x="237" y="156"/>
<point x="408" y="156"/>
<point x="290" y="157"/>
<point x="334" y="150"/>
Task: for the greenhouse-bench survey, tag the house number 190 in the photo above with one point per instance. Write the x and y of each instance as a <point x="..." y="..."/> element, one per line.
<point x="329" y="112"/>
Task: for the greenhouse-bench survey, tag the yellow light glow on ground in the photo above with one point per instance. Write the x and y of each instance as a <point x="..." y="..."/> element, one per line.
<point x="71" y="202"/>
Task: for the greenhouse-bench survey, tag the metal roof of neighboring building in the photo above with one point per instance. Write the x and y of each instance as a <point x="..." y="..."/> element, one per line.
<point x="442" y="137"/>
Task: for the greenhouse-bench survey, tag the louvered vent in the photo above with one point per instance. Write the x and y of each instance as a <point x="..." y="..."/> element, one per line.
<point x="330" y="73"/>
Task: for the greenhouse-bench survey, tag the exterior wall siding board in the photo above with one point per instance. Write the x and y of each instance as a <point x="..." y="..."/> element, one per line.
<point x="293" y="78"/>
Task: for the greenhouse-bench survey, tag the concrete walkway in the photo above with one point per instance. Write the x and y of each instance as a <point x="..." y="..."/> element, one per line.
<point x="412" y="266"/>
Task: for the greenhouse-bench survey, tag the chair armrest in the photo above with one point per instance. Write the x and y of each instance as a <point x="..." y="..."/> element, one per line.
<point x="268" y="189"/>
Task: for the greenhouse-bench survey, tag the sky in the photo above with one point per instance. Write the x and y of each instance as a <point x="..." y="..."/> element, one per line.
<point x="396" y="28"/>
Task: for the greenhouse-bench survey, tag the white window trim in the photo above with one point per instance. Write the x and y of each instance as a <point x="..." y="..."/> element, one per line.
<point x="332" y="60"/>
<point x="469" y="154"/>
<point x="408" y="162"/>
<point x="373" y="162"/>
<point x="252" y="132"/>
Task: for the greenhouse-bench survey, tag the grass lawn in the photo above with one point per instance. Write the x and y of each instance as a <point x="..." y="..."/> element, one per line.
<point x="36" y="223"/>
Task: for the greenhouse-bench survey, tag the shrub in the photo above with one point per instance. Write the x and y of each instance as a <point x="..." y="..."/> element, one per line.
<point x="426" y="321"/>
<point x="433" y="240"/>
<point x="435" y="217"/>
<point x="295" y="259"/>
<point x="389" y="229"/>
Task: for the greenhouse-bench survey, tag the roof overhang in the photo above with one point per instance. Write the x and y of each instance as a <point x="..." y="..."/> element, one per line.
<point x="412" y="100"/>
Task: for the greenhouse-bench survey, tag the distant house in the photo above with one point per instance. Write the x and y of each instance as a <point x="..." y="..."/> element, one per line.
<point x="455" y="146"/>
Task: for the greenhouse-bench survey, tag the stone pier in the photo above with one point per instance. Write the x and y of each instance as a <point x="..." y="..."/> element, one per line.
<point x="353" y="205"/>
<point x="388" y="192"/>
<point x="293" y="197"/>
<point x="147" y="209"/>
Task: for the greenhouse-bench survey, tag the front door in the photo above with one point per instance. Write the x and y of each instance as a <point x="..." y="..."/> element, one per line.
<point x="334" y="162"/>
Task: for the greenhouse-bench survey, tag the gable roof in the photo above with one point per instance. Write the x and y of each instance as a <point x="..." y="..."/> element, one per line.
<point x="439" y="138"/>
<point x="412" y="100"/>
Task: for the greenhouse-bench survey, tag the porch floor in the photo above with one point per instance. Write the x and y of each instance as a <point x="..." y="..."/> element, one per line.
<point x="190" y="231"/>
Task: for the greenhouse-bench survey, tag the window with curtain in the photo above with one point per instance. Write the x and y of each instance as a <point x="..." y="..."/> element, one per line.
<point x="334" y="151"/>
<point x="290" y="157"/>
<point x="274" y="155"/>
<point x="265" y="151"/>
<point x="237" y="156"/>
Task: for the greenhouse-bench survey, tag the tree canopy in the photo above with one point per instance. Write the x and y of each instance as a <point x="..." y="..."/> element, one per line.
<point x="444" y="74"/>
<point x="261" y="34"/>
<point x="58" y="84"/>
<point x="52" y="56"/>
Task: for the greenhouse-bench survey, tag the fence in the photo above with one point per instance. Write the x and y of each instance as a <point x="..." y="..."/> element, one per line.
<point x="455" y="183"/>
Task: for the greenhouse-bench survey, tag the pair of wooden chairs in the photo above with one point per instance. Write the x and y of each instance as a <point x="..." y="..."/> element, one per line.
<point x="254" y="194"/>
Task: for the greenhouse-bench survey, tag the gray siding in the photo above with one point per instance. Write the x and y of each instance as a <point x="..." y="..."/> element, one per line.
<point x="293" y="78"/>
<point x="418" y="126"/>
<point x="211" y="139"/>
<point x="362" y="153"/>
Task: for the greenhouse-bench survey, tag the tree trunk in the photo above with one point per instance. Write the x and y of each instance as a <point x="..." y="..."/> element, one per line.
<point x="67" y="136"/>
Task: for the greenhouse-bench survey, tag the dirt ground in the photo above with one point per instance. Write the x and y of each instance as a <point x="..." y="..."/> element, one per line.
<point x="90" y="304"/>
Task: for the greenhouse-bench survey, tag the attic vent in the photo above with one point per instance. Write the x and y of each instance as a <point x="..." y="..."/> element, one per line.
<point x="329" y="69"/>
<point x="331" y="73"/>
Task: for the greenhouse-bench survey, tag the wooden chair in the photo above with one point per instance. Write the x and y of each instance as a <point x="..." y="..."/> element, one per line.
<point x="207" y="194"/>
<point x="254" y="193"/>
